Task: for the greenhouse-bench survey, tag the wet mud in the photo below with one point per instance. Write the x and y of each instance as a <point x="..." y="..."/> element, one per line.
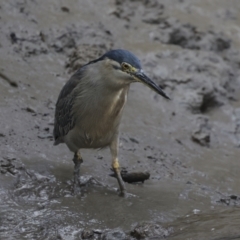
<point x="186" y="149"/>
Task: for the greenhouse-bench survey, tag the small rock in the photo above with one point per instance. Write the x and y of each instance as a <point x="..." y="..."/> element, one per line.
<point x="97" y="231"/>
<point x="196" y="211"/>
<point x="201" y="138"/>
<point x="202" y="134"/>
<point x="12" y="171"/>
<point x="65" y="9"/>
<point x="114" y="234"/>
<point x="46" y="129"/>
<point x="133" y="177"/>
<point x="30" y="109"/>
<point x="134" y="140"/>
<point x="86" y="234"/>
<point x="45" y="135"/>
<point x="3" y="171"/>
<point x="147" y="230"/>
<point x="40" y="177"/>
<point x="232" y="200"/>
<point x="13" y="37"/>
<point x="178" y="141"/>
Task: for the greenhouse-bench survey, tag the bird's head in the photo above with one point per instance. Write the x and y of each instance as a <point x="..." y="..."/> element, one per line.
<point x="127" y="67"/>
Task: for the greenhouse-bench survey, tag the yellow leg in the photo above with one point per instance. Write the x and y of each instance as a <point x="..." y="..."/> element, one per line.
<point x="116" y="166"/>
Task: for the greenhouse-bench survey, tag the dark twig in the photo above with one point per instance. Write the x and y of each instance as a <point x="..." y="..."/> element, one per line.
<point x="132" y="177"/>
<point x="11" y="82"/>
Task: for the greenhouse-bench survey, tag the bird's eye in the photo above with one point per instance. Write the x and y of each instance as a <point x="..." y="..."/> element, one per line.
<point x="126" y="67"/>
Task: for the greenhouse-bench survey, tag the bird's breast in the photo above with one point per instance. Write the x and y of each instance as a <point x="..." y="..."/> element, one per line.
<point x="117" y="104"/>
<point x="97" y="126"/>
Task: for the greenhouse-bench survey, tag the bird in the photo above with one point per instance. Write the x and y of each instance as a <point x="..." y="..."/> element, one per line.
<point x="90" y="106"/>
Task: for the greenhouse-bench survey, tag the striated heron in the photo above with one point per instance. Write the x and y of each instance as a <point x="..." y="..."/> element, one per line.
<point x="90" y="105"/>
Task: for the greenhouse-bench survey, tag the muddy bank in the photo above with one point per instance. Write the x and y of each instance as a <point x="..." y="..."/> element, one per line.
<point x="190" y="145"/>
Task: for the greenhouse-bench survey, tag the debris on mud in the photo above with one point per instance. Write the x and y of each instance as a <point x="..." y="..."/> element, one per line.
<point x="65" y="9"/>
<point x="150" y="230"/>
<point x="188" y="36"/>
<point x="232" y="200"/>
<point x="200" y="100"/>
<point x="202" y="80"/>
<point x="107" y="234"/>
<point x="114" y="234"/>
<point x="88" y="234"/>
<point x="151" y="12"/>
<point x="133" y="177"/>
<point x="144" y="230"/>
<point x="202" y="134"/>
<point x="10" y="165"/>
<point x="73" y="41"/>
<point x="30" y="110"/>
<point x="236" y="118"/>
<point x="170" y="30"/>
<point x="7" y="79"/>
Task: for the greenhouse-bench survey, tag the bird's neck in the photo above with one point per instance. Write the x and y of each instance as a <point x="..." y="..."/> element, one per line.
<point x="117" y="101"/>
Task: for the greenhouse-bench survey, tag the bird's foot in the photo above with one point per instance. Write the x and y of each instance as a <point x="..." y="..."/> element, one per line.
<point x="125" y="194"/>
<point x="77" y="159"/>
<point x="76" y="187"/>
<point x="76" y="190"/>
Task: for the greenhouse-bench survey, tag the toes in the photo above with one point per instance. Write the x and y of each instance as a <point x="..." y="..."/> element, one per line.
<point x="76" y="189"/>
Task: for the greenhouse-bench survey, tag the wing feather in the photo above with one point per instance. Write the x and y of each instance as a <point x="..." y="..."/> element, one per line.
<point x="64" y="119"/>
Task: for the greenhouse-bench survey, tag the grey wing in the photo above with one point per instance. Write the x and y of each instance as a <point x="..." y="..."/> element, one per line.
<point x="64" y="119"/>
